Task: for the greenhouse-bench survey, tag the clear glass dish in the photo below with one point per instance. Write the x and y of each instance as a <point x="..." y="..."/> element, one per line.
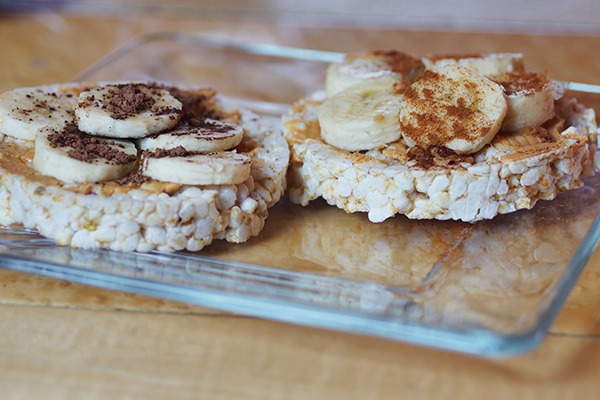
<point x="492" y="288"/>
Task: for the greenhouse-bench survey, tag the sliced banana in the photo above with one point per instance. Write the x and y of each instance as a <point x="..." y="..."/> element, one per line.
<point x="390" y="65"/>
<point x="530" y="97"/>
<point x="362" y="117"/>
<point x="452" y="106"/>
<point x="218" y="168"/>
<point x="210" y="136"/>
<point x="70" y="155"/>
<point x="486" y="64"/>
<point x="131" y="110"/>
<point x="24" y="111"/>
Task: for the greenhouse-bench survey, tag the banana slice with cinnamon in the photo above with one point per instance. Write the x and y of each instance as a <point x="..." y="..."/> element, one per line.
<point x="530" y="97"/>
<point x="452" y="106"/>
<point x="382" y="65"/>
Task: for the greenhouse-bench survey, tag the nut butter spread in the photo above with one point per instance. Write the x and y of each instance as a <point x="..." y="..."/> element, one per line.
<point x="481" y="136"/>
<point x="198" y="105"/>
<point x="84" y="188"/>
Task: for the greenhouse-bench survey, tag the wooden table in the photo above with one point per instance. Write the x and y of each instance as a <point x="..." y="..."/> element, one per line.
<point x="61" y="340"/>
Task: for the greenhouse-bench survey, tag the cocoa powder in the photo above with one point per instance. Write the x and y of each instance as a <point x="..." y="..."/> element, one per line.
<point x="134" y="179"/>
<point x="88" y="148"/>
<point x="178" y="151"/>
<point x="128" y="100"/>
<point x="194" y="107"/>
<point x="199" y="124"/>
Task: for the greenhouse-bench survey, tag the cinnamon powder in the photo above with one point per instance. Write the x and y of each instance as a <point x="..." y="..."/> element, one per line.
<point x="523" y="82"/>
<point x="400" y="62"/>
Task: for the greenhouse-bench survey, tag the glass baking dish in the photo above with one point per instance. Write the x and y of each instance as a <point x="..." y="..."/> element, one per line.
<point x="492" y="288"/>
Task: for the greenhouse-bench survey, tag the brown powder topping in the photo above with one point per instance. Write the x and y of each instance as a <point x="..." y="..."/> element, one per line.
<point x="200" y="124"/>
<point x="195" y="105"/>
<point x="400" y="62"/>
<point x="437" y="156"/>
<point x="134" y="179"/>
<point x="178" y="151"/>
<point x="197" y="120"/>
<point x="523" y="82"/>
<point x="438" y="110"/>
<point x="213" y="127"/>
<point x="198" y="105"/>
<point x="412" y="93"/>
<point x="190" y="101"/>
<point x="128" y="100"/>
<point x="88" y="148"/>
<point x="40" y="106"/>
<point x="435" y="119"/>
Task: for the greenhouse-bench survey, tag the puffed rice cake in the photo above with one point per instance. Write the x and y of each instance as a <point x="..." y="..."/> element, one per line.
<point x="511" y="173"/>
<point x="147" y="216"/>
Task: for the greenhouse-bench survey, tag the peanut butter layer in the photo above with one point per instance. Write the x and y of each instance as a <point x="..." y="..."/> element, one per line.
<point x="17" y="159"/>
<point x="16" y="156"/>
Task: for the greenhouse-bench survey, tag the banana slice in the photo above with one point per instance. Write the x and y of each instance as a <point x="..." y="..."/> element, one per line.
<point x="24" y="111"/>
<point x="452" y="106"/>
<point x="486" y="64"/>
<point x="131" y="110"/>
<point x="362" y="117"/>
<point x="530" y="97"/>
<point x="70" y="155"/>
<point x="210" y="136"/>
<point x="391" y="65"/>
<point x="179" y="166"/>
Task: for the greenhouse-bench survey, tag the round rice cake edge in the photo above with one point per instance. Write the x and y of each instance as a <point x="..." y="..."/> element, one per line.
<point x="138" y="220"/>
<point x="372" y="183"/>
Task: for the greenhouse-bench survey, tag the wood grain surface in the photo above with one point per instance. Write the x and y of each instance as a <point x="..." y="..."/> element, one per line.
<point x="67" y="341"/>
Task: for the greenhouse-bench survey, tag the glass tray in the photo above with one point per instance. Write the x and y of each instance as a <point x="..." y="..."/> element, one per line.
<point x="492" y="288"/>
